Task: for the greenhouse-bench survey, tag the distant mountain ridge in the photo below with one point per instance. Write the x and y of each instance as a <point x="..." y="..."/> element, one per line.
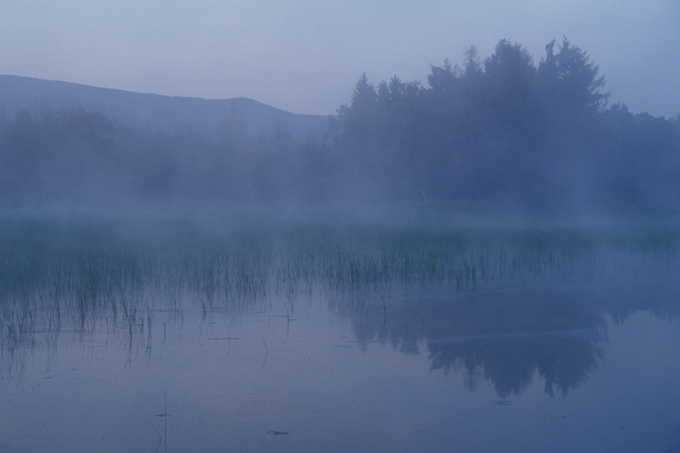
<point x="154" y="110"/>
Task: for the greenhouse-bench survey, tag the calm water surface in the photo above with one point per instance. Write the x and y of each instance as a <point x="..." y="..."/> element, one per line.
<point x="592" y="365"/>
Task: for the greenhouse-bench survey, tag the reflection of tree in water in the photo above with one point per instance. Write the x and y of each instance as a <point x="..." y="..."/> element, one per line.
<point x="509" y="338"/>
<point x="121" y="276"/>
<point x="510" y="363"/>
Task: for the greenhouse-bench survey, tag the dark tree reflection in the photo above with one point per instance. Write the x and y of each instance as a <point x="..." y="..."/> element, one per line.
<point x="510" y="338"/>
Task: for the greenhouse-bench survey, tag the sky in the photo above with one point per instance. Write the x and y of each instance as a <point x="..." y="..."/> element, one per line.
<point x="305" y="56"/>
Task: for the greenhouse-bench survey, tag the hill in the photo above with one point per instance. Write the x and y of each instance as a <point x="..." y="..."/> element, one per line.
<point x="153" y="110"/>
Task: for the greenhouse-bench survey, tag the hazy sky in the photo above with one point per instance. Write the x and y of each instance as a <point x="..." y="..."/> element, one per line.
<point x="305" y="55"/>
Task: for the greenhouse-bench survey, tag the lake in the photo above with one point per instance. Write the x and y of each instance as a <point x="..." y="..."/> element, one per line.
<point x="248" y="331"/>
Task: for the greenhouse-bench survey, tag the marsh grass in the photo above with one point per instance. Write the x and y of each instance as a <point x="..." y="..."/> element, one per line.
<point x="120" y="273"/>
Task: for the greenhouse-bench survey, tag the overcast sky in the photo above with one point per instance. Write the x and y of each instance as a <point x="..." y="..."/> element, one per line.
<point x="306" y="55"/>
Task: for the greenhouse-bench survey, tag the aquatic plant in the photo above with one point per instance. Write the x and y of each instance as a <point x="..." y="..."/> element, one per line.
<point x="117" y="272"/>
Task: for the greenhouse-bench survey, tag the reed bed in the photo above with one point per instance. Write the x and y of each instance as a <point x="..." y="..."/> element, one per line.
<point x="86" y="272"/>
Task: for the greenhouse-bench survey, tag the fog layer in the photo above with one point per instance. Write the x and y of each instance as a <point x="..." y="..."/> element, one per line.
<point x="498" y="133"/>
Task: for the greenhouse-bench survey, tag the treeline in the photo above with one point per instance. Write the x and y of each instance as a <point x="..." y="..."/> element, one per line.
<point x="500" y="133"/>
<point x="509" y="133"/>
<point x="74" y="157"/>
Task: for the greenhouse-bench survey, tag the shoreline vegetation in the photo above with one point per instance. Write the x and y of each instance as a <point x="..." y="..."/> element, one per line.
<point x="75" y="271"/>
<point x="500" y="174"/>
<point x="449" y="285"/>
<point x="505" y="133"/>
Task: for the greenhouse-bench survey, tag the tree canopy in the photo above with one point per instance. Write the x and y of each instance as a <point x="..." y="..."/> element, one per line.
<point x="502" y="132"/>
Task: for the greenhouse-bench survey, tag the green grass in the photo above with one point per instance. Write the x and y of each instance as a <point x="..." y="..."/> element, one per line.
<point x="96" y="271"/>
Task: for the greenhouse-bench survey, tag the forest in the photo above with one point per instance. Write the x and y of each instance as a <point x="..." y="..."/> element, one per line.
<point x="503" y="133"/>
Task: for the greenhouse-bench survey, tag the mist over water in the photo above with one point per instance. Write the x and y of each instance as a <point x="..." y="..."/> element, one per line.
<point x="493" y="252"/>
<point x="289" y="328"/>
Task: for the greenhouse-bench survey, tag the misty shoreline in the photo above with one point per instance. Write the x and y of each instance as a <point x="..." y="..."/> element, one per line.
<point x="501" y="135"/>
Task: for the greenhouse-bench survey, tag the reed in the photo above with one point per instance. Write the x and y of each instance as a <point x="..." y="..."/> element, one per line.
<point x="118" y="272"/>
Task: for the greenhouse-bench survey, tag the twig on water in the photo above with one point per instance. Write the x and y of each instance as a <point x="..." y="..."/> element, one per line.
<point x="165" y="443"/>
<point x="228" y="341"/>
<point x="165" y="416"/>
<point x="267" y="352"/>
<point x="158" y="434"/>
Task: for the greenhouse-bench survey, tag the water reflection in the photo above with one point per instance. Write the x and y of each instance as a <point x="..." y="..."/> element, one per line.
<point x="276" y="327"/>
<point x="498" y="304"/>
<point x="512" y="337"/>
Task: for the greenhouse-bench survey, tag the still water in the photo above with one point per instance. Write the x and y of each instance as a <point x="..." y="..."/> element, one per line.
<point x="549" y="364"/>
